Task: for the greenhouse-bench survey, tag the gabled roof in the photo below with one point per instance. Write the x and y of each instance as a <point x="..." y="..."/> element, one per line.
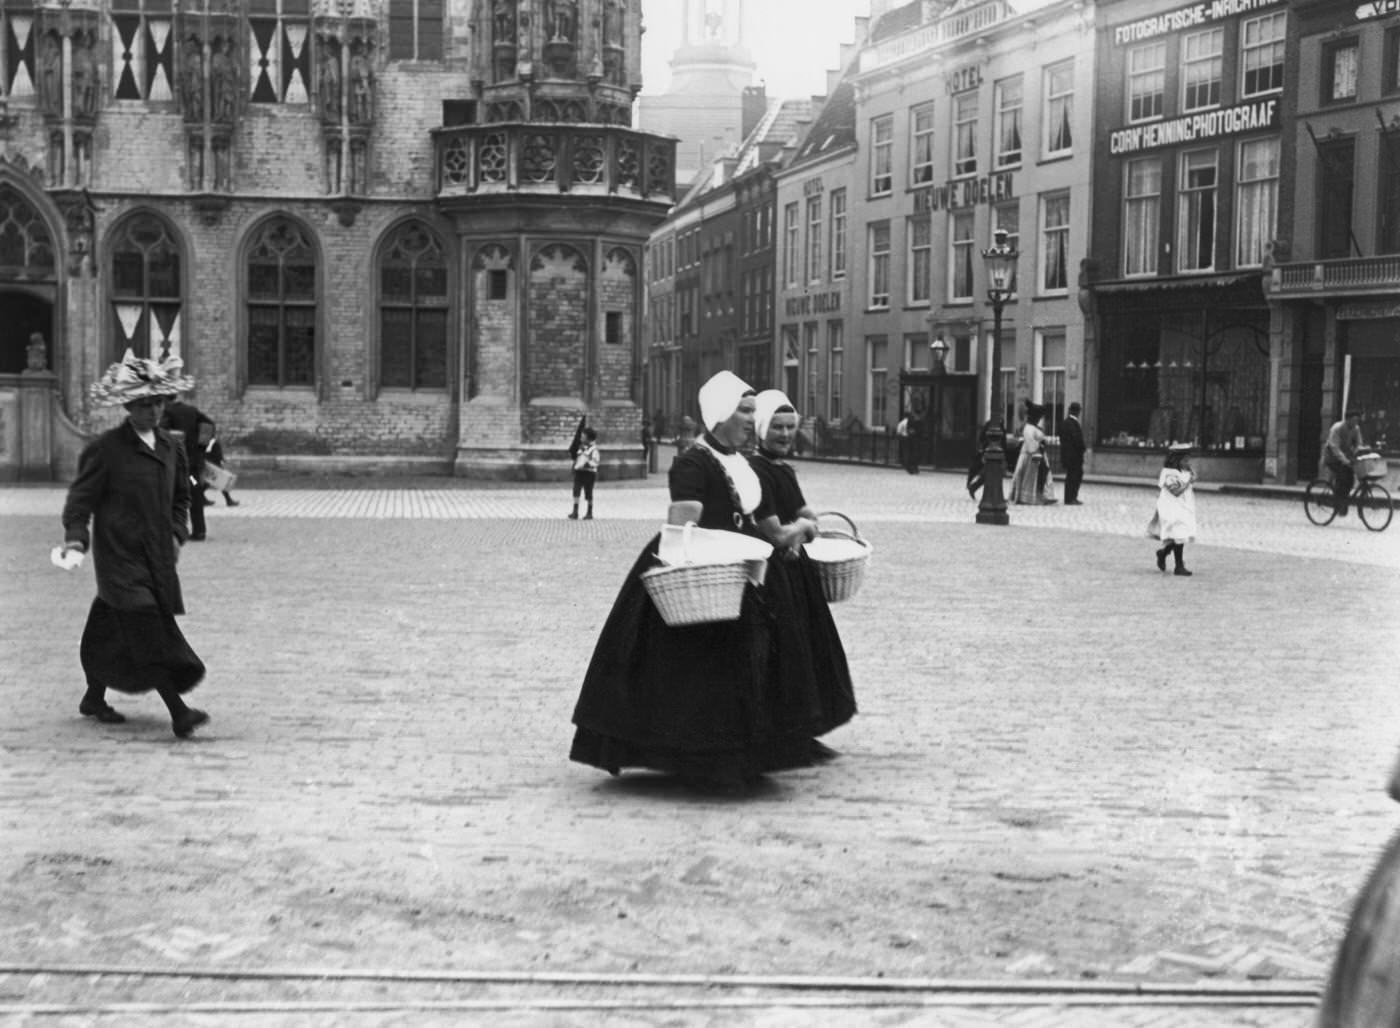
<point x="774" y="132"/>
<point x="835" y="127"/>
<point x="900" y="19"/>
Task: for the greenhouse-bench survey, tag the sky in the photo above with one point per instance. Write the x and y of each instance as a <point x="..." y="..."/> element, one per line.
<point x="794" y="42"/>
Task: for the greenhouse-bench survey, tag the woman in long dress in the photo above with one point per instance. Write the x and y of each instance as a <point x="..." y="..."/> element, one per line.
<point x="1029" y="484"/>
<point x="696" y="701"/>
<point x="811" y="670"/>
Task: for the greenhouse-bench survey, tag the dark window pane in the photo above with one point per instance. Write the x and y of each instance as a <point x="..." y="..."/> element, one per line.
<point x="126" y="274"/>
<point x="300" y="280"/>
<point x="262" y="281"/>
<point x="395" y="348"/>
<point x="165" y="274"/>
<point x="396" y="284"/>
<point x="432" y="350"/>
<point x="300" y="345"/>
<point x="431" y="285"/>
<point x="262" y="346"/>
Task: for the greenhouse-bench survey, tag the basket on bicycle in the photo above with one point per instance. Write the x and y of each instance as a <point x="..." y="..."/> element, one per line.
<point x="1370" y="466"/>
<point x="706" y="581"/>
<point x="841" y="558"/>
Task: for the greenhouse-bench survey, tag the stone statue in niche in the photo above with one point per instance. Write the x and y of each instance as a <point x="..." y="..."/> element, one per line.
<point x="361" y="86"/>
<point x="503" y="22"/>
<point x="196" y="163"/>
<point x="359" y="171"/>
<point x="333" y="166"/>
<point x="561" y="20"/>
<point x="328" y="81"/>
<point x="192" y="80"/>
<point x="50" y="74"/>
<point x="85" y="89"/>
<point x="612" y="23"/>
<point x="223" y="75"/>
<point x="55" y="159"/>
<point x="36" y="354"/>
<point x="223" y="169"/>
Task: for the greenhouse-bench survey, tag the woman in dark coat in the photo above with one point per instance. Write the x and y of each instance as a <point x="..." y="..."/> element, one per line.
<point x="696" y="701"/>
<point x="133" y="485"/>
<point x="810" y="662"/>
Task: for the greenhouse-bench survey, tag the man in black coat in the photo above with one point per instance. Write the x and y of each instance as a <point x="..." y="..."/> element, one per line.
<point x="1072" y="453"/>
<point x="196" y="429"/>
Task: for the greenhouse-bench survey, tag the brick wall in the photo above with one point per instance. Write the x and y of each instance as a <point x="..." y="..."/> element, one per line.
<point x="557" y="305"/>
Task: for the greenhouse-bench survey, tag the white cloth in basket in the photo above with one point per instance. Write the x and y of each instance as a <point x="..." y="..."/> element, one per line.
<point x="830" y="548"/>
<point x="708" y="546"/>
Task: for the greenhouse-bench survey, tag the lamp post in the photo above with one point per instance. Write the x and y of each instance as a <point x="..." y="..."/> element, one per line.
<point x="1001" y="265"/>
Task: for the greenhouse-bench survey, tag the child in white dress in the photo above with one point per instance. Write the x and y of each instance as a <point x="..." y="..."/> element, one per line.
<point x="1176" y="507"/>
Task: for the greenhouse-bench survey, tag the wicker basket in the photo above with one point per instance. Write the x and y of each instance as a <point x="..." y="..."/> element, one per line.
<point x="1370" y="465"/>
<point x="841" y="578"/>
<point x="696" y="594"/>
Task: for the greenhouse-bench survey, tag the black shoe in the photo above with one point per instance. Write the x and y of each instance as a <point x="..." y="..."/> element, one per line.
<point x="588" y="516"/>
<point x="1074" y="503"/>
<point x="573" y="516"/>
<point x="821" y="752"/>
<point x="208" y="502"/>
<point x="100" y="710"/>
<point x="1182" y="572"/>
<point x="1162" y="559"/>
<point x="184" y="724"/>
<point x="230" y="502"/>
<point x="197" y="538"/>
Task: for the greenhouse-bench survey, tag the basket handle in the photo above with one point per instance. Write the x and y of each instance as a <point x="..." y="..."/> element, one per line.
<point x="854" y="533"/>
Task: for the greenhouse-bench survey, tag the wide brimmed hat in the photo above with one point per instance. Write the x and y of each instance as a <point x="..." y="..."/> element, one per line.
<point x="135" y="378"/>
<point x="1179" y="447"/>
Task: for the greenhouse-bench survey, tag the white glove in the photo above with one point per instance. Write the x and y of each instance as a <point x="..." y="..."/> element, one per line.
<point x="66" y="558"/>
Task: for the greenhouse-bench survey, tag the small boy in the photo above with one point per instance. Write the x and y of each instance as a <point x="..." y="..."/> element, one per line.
<point x="585" y="472"/>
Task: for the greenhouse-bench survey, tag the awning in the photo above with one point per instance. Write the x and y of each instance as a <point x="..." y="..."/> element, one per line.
<point x="1177" y="283"/>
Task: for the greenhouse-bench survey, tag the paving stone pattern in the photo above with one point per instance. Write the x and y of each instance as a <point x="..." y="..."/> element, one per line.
<point x="1066" y="767"/>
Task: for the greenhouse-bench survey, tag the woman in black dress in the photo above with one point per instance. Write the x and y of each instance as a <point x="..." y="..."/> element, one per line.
<point x="696" y="701"/>
<point x="811" y="669"/>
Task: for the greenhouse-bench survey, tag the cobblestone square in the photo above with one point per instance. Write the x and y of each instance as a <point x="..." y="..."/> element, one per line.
<point x="1067" y="768"/>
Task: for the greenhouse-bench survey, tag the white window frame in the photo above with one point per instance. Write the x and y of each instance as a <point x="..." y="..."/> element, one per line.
<point x="1262" y="47"/>
<point x="1191" y="214"/>
<point x="1142" y="215"/>
<point x="964" y="150"/>
<point x="1147" y="81"/>
<point x="961" y="240"/>
<point x="876" y="380"/>
<point x="812" y="354"/>
<point x="1046" y="374"/>
<point x="1059" y="95"/>
<point x="814" y="238"/>
<point x="921" y="145"/>
<point x="1202" y="67"/>
<point x="882" y="155"/>
<point x="879" y="298"/>
<point x="1009" y="102"/>
<point x="919" y="231"/>
<point x="836" y="379"/>
<point x="1053" y="237"/>
<point x="838" y="233"/>
<point x="1256" y="203"/>
<point x="791" y="234"/>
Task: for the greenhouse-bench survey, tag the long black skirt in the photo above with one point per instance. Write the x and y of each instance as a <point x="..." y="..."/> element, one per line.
<point x="1363" y="988"/>
<point x="698" y="701"/>
<point x="135" y="651"/>
<point x="810" y="663"/>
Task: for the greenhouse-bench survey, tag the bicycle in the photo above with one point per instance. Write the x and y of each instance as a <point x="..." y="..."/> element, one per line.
<point x="1370" y="498"/>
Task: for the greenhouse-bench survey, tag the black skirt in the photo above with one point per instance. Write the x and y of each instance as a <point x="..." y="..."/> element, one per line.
<point x="810" y="668"/>
<point x="135" y="651"/>
<point x="699" y="701"/>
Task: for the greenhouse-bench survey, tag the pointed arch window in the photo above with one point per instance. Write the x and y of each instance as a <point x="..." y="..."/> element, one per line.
<point x="26" y="247"/>
<point x="281" y="306"/>
<point x="146" y="293"/>
<point x="413" y="310"/>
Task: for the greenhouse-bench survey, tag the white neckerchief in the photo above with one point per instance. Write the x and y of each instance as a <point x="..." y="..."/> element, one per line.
<point x="148" y="437"/>
<point x="743" y="482"/>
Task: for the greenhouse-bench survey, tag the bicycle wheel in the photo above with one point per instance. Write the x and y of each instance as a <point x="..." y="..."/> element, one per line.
<point x="1318" y="502"/>
<point x="1373" y="504"/>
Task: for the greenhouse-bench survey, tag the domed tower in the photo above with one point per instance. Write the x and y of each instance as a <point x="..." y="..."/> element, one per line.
<point x="553" y="195"/>
<point x="711" y="70"/>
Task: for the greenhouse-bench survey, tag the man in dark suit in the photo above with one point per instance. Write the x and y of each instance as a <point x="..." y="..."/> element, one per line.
<point x="196" y="429"/>
<point x="1072" y="453"/>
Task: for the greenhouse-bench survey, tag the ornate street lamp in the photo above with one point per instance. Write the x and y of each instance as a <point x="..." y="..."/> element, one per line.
<point x="1001" y="267"/>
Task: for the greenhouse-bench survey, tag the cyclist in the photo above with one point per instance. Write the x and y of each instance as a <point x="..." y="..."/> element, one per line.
<point x="1339" y="454"/>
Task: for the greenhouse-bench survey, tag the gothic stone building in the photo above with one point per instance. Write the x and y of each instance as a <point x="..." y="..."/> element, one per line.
<point x="401" y="228"/>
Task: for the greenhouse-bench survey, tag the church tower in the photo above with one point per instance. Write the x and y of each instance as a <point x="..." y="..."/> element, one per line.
<point x="553" y="195"/>
<point x="704" y="104"/>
